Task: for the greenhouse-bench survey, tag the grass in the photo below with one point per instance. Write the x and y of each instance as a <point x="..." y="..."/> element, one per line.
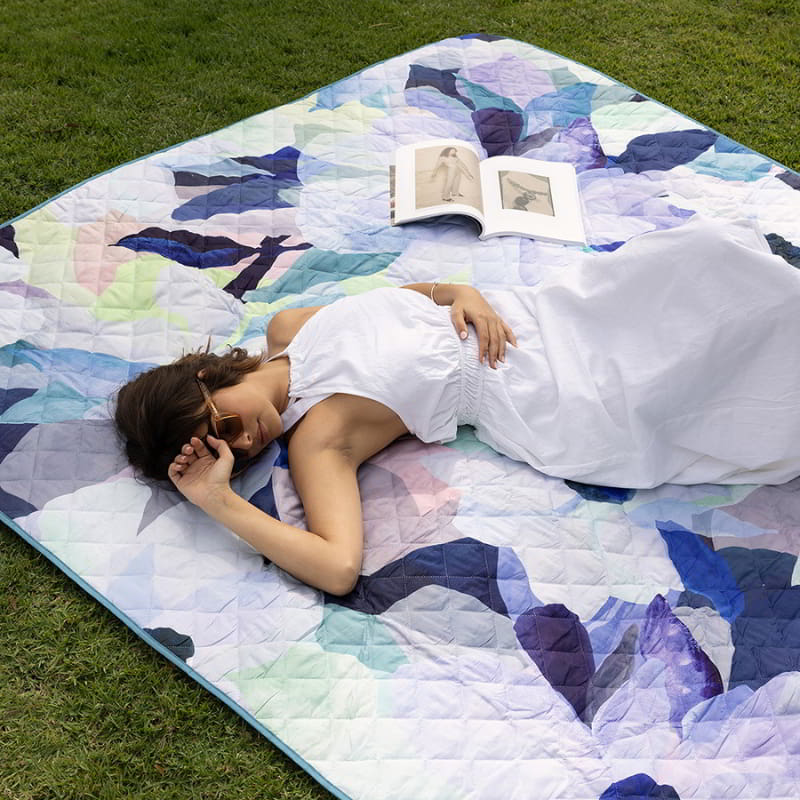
<point x="87" y="710"/>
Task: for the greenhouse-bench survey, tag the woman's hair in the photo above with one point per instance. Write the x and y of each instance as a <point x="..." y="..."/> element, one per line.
<point x="447" y="151"/>
<point x="159" y="411"/>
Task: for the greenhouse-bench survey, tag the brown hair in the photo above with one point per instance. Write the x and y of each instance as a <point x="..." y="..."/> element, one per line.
<point x="157" y="412"/>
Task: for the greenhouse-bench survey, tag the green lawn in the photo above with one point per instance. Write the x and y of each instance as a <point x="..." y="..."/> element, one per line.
<point x="86" y="709"/>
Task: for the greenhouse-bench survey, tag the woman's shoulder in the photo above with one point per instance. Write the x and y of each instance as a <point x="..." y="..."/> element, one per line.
<point x="284" y="325"/>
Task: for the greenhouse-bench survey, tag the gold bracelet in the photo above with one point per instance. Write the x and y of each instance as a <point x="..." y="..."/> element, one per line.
<point x="433" y="287"/>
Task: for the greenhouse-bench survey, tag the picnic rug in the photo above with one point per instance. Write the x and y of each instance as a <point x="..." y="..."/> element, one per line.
<point x="512" y="635"/>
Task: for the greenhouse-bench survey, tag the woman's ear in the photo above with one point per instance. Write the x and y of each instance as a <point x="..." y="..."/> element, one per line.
<point x="201" y="374"/>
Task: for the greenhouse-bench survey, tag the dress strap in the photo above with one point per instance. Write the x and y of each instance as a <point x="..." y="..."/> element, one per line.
<point x="297" y="408"/>
<point x="284" y="352"/>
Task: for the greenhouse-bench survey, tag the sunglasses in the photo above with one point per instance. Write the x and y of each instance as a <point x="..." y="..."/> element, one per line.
<point x="228" y="427"/>
<point x="224" y="426"/>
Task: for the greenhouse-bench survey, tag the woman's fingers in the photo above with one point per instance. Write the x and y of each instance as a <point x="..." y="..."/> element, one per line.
<point x="459" y="321"/>
<point x="186" y="457"/>
<point x="220" y="445"/>
<point x="509" y="334"/>
<point x="501" y="341"/>
<point x="504" y="336"/>
<point x="176" y="471"/>
<point x="224" y="452"/>
<point x="497" y="344"/>
<point x="199" y="446"/>
<point x="499" y="335"/>
<point x="491" y="346"/>
<point x="491" y="340"/>
<point x="488" y="339"/>
<point x="202" y="469"/>
<point x="482" y="329"/>
<point x="189" y="454"/>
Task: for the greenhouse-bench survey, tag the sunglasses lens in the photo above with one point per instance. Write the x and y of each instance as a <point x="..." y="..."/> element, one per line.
<point x="228" y="428"/>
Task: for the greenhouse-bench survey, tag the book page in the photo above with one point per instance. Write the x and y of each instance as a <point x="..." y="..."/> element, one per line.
<point x="441" y="176"/>
<point x="532" y="198"/>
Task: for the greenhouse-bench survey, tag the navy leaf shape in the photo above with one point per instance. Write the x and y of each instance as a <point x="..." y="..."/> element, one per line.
<point x="663" y="151"/>
<point x="7" y="240"/>
<point x="188" y="248"/>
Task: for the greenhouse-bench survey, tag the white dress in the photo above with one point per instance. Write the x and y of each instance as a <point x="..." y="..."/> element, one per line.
<point x="674" y="359"/>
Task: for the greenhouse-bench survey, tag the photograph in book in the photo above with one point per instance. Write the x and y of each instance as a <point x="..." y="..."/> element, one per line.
<point x="506" y="195"/>
<point x="446" y="175"/>
<point x="526" y="192"/>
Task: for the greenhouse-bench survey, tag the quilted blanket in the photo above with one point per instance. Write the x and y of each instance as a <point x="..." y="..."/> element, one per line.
<point x="512" y="635"/>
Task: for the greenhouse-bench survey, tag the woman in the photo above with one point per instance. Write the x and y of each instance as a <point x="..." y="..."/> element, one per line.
<point x="251" y="408"/>
<point x="453" y="167"/>
<point x="672" y="359"/>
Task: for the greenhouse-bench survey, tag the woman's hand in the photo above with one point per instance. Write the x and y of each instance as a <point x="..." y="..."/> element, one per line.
<point x="198" y="475"/>
<point x="469" y="306"/>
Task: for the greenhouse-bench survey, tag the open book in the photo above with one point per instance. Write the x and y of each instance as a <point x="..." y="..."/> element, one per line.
<point x="507" y="195"/>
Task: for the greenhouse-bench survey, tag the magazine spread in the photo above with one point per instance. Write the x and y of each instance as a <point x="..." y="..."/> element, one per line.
<point x="507" y="195"/>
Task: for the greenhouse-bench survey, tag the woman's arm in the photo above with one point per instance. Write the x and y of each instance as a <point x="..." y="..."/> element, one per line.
<point x="463" y="167"/>
<point x="328" y="555"/>
<point x="467" y="304"/>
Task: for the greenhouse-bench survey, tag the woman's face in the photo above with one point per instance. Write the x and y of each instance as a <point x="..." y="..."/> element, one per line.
<point x="261" y="421"/>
